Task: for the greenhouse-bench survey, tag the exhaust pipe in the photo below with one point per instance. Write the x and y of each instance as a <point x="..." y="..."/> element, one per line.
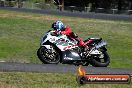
<point x="101" y="44"/>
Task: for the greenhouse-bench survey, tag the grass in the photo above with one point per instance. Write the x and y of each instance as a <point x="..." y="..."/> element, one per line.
<point x="20" y="35"/>
<point x="48" y="80"/>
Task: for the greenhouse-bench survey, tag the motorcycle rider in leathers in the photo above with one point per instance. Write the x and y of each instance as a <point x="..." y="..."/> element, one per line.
<point x="61" y="29"/>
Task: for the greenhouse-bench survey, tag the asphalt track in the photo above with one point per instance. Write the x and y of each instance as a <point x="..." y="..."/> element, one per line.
<point x="59" y="68"/>
<point x="75" y="14"/>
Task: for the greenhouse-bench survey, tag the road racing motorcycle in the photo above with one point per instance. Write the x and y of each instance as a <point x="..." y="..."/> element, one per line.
<point x="56" y="48"/>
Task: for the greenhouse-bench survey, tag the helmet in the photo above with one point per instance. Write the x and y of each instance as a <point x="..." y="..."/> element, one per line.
<point x="58" y="25"/>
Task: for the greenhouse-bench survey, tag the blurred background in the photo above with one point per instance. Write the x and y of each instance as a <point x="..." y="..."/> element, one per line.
<point x="95" y="6"/>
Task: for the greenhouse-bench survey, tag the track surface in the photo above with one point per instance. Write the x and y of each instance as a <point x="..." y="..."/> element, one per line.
<point x="75" y="14"/>
<point x="48" y="68"/>
<point x="60" y="68"/>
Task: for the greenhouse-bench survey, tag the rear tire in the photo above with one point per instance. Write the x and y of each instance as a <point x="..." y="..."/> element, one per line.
<point x="96" y="62"/>
<point x="41" y="53"/>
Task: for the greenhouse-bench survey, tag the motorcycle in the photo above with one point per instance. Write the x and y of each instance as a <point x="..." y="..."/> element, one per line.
<point x="55" y="48"/>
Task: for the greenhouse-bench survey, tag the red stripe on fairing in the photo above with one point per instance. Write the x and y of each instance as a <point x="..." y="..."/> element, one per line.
<point x="88" y="42"/>
<point x="67" y="47"/>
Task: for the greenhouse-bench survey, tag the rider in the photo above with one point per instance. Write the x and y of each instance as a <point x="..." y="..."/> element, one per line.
<point x="61" y="29"/>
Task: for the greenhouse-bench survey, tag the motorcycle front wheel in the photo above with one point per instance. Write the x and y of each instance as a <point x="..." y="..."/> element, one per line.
<point x="48" y="56"/>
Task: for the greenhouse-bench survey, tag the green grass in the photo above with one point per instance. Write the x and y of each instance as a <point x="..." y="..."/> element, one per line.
<point x="48" y="80"/>
<point x="20" y="35"/>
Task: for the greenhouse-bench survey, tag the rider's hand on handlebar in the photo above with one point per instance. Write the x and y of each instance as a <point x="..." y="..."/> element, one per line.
<point x="58" y="32"/>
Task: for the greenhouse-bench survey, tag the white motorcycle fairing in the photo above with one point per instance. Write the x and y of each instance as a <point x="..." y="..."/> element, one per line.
<point x="61" y="41"/>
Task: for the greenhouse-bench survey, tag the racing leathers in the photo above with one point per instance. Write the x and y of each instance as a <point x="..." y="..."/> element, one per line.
<point x="67" y="31"/>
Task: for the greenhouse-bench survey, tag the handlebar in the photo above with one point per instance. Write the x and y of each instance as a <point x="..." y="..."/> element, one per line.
<point x="54" y="33"/>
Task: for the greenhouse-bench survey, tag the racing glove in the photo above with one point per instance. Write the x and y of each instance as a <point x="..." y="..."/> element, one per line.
<point x="58" y="32"/>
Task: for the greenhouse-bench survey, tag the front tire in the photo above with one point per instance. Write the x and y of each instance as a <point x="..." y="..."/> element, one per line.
<point x="97" y="62"/>
<point x="47" y="57"/>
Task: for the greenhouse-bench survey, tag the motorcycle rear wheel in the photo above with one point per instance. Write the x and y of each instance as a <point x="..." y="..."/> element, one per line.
<point x="96" y="61"/>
